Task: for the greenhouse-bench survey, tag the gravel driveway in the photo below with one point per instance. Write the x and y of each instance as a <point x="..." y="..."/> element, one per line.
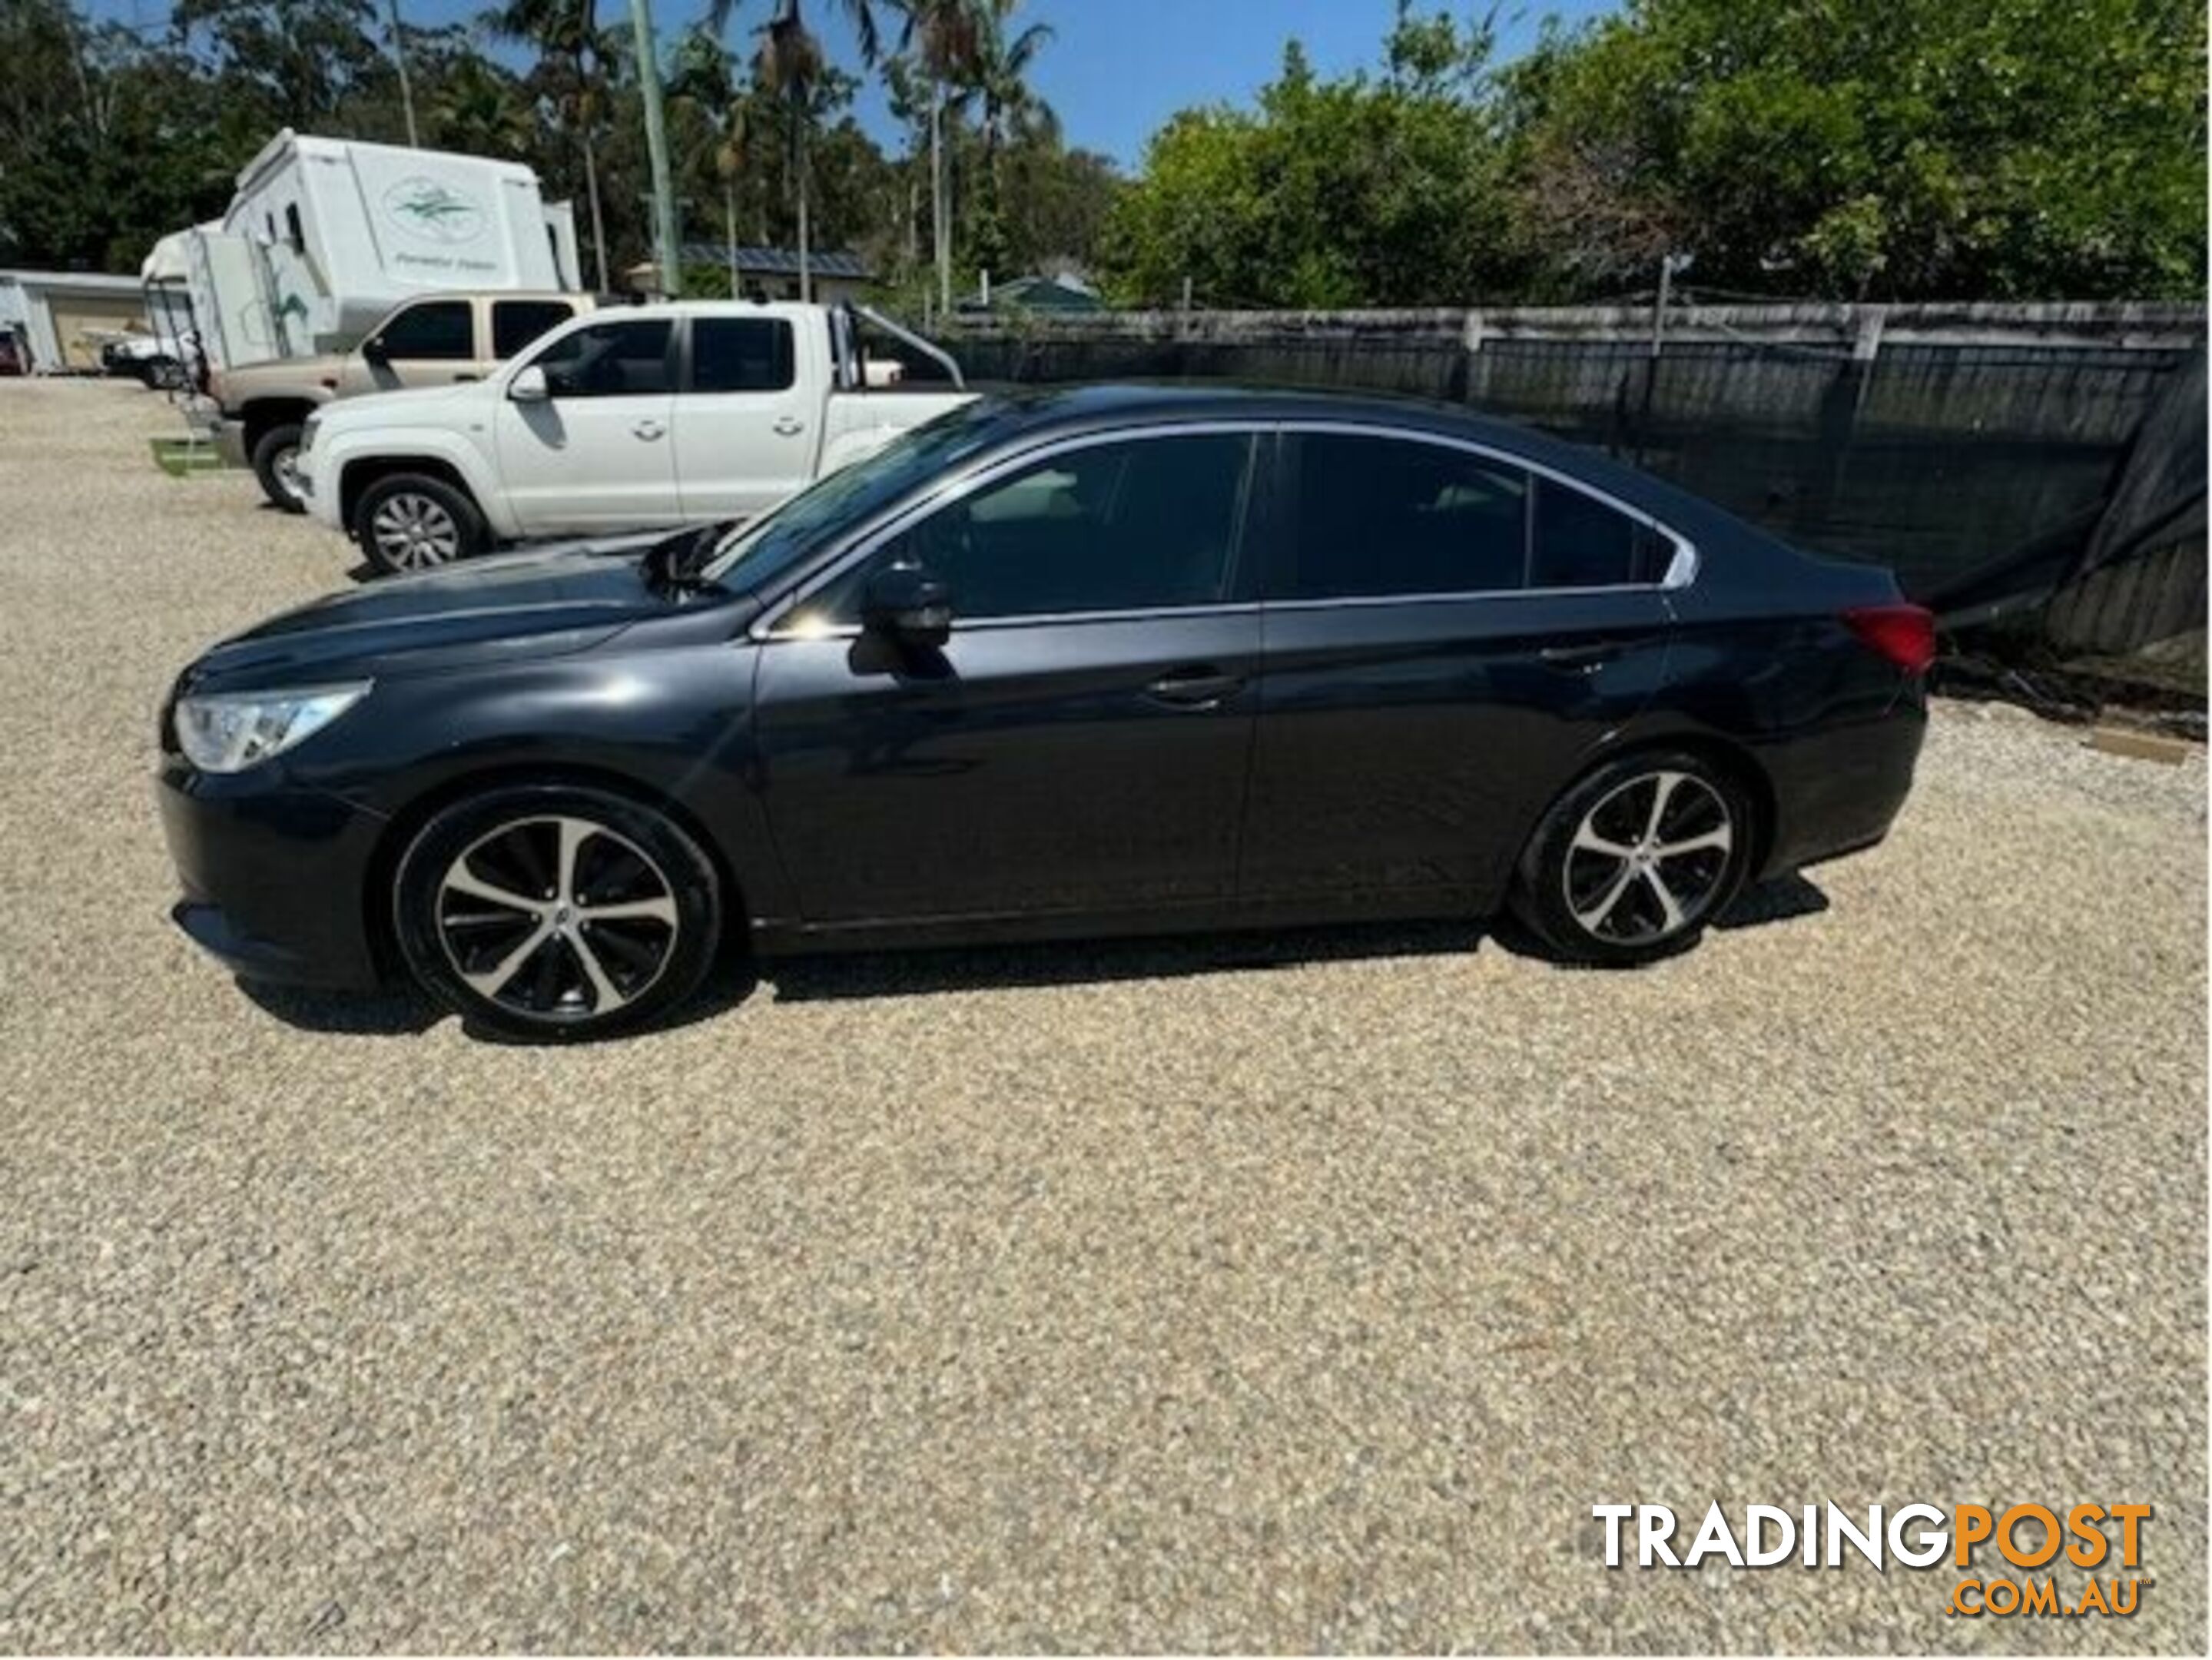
<point x="1300" y="1292"/>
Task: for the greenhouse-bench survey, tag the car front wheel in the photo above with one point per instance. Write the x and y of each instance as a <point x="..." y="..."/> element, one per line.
<point x="556" y="913"/>
<point x="276" y="465"/>
<point x="412" y="522"/>
<point x="1635" y="859"/>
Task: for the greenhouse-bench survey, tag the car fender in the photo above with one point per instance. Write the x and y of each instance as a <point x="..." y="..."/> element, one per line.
<point x="336" y="453"/>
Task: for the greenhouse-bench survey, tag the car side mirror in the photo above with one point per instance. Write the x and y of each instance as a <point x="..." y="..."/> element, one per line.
<point x="529" y="386"/>
<point x="374" y="350"/>
<point x="909" y="604"/>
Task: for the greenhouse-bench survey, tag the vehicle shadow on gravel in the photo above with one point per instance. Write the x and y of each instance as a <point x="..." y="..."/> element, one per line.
<point x="916" y="973"/>
<point x="399" y="1011"/>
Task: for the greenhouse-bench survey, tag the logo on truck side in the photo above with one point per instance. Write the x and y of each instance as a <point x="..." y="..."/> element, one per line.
<point x="435" y="210"/>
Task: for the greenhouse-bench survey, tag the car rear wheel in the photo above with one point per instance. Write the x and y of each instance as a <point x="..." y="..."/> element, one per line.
<point x="276" y="465"/>
<point x="1634" y="860"/>
<point x="556" y="913"/>
<point x="411" y="522"/>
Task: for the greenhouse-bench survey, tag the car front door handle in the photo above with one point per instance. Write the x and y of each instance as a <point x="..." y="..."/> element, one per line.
<point x="1576" y="657"/>
<point x="648" y="430"/>
<point x="790" y="426"/>
<point x="1194" y="688"/>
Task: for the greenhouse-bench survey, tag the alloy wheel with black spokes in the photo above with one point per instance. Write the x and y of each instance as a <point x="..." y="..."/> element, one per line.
<point x="1636" y="859"/>
<point x="557" y="913"/>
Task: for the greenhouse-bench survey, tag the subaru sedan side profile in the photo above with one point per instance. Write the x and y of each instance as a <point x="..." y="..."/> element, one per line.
<point x="1057" y="664"/>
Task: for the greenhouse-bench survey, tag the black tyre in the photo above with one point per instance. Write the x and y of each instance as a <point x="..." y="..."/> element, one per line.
<point x="409" y="521"/>
<point x="276" y="465"/>
<point x="556" y="913"/>
<point x="1635" y="859"/>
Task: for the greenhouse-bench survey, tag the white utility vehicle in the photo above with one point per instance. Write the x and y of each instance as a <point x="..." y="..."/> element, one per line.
<point x="632" y="419"/>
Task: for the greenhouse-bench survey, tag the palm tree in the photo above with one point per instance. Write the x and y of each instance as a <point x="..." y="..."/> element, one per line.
<point x="475" y="109"/>
<point x="567" y="37"/>
<point x="947" y="35"/>
<point x="1008" y="103"/>
<point x="704" y="79"/>
<point x="791" y="61"/>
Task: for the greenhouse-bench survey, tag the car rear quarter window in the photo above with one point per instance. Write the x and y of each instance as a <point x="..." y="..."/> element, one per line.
<point x="609" y="359"/>
<point x="439" y="331"/>
<point x="742" y="354"/>
<point x="1143" y="525"/>
<point x="516" y="323"/>
<point x="1378" y="516"/>
<point x="1579" y="542"/>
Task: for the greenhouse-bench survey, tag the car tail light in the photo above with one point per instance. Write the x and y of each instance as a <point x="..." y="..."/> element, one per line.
<point x="1904" y="634"/>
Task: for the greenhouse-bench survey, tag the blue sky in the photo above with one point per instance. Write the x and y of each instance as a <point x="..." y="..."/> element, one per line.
<point x="1116" y="69"/>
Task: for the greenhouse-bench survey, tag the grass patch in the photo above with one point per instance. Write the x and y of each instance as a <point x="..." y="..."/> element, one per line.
<point x="180" y="457"/>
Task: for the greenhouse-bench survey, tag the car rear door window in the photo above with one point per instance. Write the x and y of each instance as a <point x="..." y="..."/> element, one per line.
<point x="437" y="331"/>
<point x="1141" y="525"/>
<point x="516" y="323"/>
<point x="1579" y="542"/>
<point x="742" y="354"/>
<point x="1382" y="516"/>
<point x="609" y="359"/>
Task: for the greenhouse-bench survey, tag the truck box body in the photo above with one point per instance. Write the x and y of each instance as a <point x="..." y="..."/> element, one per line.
<point x="324" y="236"/>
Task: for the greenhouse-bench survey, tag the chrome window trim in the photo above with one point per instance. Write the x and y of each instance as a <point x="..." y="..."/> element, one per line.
<point x="1681" y="568"/>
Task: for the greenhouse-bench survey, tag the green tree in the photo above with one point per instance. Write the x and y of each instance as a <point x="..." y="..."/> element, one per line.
<point x="946" y="37"/>
<point x="1364" y="190"/>
<point x="574" y="55"/>
<point x="1913" y="148"/>
<point x="1007" y="106"/>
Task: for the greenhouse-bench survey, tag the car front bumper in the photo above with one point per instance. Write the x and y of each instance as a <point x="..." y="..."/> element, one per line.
<point x="273" y="875"/>
<point x="229" y="438"/>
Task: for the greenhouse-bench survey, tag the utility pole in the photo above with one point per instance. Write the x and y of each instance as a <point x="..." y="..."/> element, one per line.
<point x="668" y="256"/>
<point x="406" y="85"/>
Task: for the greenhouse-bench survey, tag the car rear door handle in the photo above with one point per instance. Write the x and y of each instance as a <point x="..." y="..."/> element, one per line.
<point x="790" y="426"/>
<point x="1194" y="688"/>
<point x="1576" y="657"/>
<point x="648" y="430"/>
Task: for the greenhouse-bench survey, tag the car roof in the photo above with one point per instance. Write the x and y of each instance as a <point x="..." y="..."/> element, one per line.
<point x="1026" y="414"/>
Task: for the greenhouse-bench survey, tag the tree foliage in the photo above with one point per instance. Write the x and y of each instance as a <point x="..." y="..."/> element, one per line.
<point x="1366" y="190"/>
<point x="1915" y="148"/>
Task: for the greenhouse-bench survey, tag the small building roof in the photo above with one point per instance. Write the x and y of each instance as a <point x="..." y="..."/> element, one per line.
<point x="1037" y="293"/>
<point x="781" y="261"/>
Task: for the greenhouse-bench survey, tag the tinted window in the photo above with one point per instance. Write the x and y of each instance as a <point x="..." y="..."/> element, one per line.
<point x="741" y="353"/>
<point x="1389" y="515"/>
<point x="1127" y="526"/>
<point x="1581" y="543"/>
<point x="608" y="360"/>
<point x="516" y="323"/>
<point x="293" y="233"/>
<point x="435" y="328"/>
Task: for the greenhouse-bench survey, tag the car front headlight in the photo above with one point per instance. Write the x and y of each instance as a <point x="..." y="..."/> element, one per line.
<point x="231" y="731"/>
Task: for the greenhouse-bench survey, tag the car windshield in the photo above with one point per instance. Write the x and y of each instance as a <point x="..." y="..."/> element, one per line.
<point x="758" y="553"/>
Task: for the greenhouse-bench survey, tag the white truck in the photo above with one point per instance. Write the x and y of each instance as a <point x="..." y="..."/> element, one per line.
<point x="632" y="419"/>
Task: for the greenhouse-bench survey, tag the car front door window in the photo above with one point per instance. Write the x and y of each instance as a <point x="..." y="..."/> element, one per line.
<point x="1134" y="526"/>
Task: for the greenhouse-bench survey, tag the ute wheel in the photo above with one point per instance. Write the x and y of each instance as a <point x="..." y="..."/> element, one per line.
<point x="409" y="521"/>
<point x="276" y="465"/>
<point x="1634" y="860"/>
<point x="556" y="913"/>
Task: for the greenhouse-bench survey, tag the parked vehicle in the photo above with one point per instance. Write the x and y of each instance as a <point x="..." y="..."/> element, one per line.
<point x="155" y="362"/>
<point x="654" y="416"/>
<point x="443" y="339"/>
<point x="1110" y="661"/>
